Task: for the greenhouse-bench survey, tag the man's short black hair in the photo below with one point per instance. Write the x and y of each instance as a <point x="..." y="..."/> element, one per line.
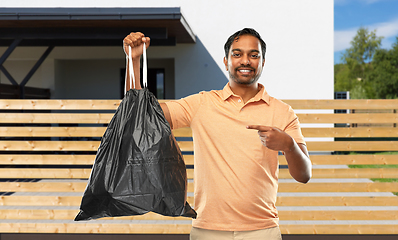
<point x="245" y="31"/>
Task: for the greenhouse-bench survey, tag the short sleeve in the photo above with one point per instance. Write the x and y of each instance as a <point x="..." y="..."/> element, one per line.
<point x="293" y="127"/>
<point x="183" y="111"/>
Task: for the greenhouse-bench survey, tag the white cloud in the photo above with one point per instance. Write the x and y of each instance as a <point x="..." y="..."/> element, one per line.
<point x="342" y="38"/>
<point x="387" y="29"/>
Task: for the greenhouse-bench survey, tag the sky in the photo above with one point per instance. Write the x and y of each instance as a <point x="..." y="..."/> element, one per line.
<point x="350" y="15"/>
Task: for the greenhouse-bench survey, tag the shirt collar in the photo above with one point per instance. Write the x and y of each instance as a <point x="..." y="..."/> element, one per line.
<point x="261" y="95"/>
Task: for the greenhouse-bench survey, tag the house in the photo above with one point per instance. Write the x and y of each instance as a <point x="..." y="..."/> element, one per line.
<point x="75" y="48"/>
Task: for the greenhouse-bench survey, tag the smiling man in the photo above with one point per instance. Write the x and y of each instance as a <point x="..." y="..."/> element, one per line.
<point x="236" y="167"/>
<point x="248" y="64"/>
<point x="244" y="61"/>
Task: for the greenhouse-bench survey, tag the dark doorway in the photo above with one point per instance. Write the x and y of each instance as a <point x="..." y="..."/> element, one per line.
<point x="156" y="82"/>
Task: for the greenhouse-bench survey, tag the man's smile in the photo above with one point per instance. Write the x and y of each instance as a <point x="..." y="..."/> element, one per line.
<point x="245" y="71"/>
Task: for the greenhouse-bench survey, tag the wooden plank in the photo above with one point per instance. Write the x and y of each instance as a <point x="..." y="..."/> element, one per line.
<point x="110" y="228"/>
<point x="104" y="118"/>
<point x="353" y="146"/>
<point x="348" y="159"/>
<point x="339" y="229"/>
<point x="38" y="214"/>
<point x="188" y="159"/>
<point x="40" y="200"/>
<point x="351" y="132"/>
<point x="56" y="173"/>
<point x="337" y="201"/>
<point x="50" y="159"/>
<point x="69" y="214"/>
<point x="283" y="187"/>
<point x="349" y="118"/>
<point x="53" y="104"/>
<point x="71" y="201"/>
<point x="338" y="215"/>
<point x="52" y="131"/>
<point x="182" y="132"/>
<point x="39" y="159"/>
<point x="185" y="146"/>
<point x="61" y="214"/>
<point x="43" y="186"/>
<point x="344" y="104"/>
<point x="52" y="186"/>
<point x="56" y="159"/>
<point x="186" y="132"/>
<point x="49" y="145"/>
<point x="66" y="145"/>
<point x="25" y="200"/>
<point x="348" y="173"/>
<point x="68" y="132"/>
<point x="95" y="118"/>
<point x="84" y="227"/>
<point x="188" y="146"/>
<point x="339" y="187"/>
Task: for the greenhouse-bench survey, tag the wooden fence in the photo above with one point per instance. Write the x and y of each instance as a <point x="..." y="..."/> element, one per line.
<point x="47" y="148"/>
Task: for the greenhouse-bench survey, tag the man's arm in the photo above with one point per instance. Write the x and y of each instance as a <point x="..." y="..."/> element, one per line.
<point x="166" y="113"/>
<point x="136" y="41"/>
<point x="296" y="154"/>
<point x="299" y="163"/>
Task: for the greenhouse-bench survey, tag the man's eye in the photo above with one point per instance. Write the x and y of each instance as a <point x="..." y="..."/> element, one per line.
<point x="235" y="54"/>
<point x="255" y="56"/>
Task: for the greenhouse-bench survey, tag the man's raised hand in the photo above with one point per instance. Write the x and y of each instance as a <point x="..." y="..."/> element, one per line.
<point x="135" y="41"/>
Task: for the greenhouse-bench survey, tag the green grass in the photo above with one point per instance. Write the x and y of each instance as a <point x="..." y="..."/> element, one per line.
<point x="386" y="180"/>
<point x="378" y="166"/>
<point x="379" y="179"/>
<point x="374" y="165"/>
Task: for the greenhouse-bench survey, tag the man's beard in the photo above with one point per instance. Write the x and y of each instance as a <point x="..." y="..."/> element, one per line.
<point x="235" y="78"/>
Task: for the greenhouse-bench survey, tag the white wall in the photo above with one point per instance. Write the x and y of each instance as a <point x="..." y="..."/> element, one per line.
<point x="298" y="33"/>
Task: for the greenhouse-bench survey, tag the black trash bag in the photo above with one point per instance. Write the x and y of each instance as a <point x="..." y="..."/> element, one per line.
<point x="139" y="167"/>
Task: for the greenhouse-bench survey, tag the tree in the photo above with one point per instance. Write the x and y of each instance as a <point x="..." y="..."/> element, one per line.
<point x="353" y="75"/>
<point x="363" y="46"/>
<point x="384" y="76"/>
<point x="342" y="78"/>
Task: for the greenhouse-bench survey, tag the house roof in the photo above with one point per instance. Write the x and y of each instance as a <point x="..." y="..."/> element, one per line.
<point x="92" y="26"/>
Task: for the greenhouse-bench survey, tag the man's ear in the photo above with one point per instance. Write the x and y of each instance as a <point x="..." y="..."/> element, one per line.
<point x="226" y="63"/>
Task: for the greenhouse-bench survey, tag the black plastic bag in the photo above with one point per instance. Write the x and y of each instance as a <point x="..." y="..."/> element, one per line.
<point x="139" y="166"/>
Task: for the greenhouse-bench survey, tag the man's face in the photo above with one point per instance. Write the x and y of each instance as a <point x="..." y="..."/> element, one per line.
<point x="245" y="62"/>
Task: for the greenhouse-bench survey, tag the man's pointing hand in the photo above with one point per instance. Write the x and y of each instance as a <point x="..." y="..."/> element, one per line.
<point x="273" y="138"/>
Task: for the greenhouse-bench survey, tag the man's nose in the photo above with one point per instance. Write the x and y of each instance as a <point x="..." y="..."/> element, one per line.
<point x="245" y="60"/>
